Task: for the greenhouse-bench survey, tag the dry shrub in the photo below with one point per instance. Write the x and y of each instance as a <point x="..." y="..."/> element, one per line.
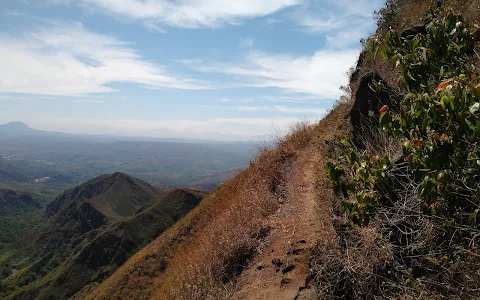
<point x="431" y="258"/>
<point x="403" y="253"/>
<point x="353" y="268"/>
<point x="370" y="137"/>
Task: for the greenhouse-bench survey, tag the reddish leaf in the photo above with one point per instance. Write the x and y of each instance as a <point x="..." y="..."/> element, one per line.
<point x="399" y="81"/>
<point x="444" y="84"/>
<point x="443" y="138"/>
<point x="418" y="143"/>
<point x="383" y="109"/>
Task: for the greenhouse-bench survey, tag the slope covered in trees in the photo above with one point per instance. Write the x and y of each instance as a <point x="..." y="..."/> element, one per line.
<point x="90" y="231"/>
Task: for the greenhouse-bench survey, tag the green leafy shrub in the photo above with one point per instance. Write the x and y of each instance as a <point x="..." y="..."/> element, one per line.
<point x="438" y="120"/>
<point x="358" y="183"/>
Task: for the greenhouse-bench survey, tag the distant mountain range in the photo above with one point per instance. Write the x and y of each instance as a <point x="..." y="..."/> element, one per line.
<point x="15" y="129"/>
<point x="27" y="154"/>
<point x="20" y="129"/>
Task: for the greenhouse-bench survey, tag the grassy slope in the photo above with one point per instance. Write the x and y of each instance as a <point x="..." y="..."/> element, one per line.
<point x="194" y="258"/>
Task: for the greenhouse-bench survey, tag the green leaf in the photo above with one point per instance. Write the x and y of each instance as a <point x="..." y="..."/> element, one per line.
<point x="345" y="143"/>
<point x="443" y="101"/>
<point x="411" y="76"/>
<point x="442" y="71"/>
<point x="470" y="125"/>
<point x="474" y="108"/>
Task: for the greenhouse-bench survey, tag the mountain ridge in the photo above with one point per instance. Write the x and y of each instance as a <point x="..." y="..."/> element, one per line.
<point x="90" y="231"/>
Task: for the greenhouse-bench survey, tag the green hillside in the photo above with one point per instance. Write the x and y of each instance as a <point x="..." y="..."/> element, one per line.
<point x="19" y="214"/>
<point x="89" y="231"/>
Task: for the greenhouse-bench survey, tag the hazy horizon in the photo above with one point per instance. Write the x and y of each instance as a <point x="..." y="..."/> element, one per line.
<point x="202" y="137"/>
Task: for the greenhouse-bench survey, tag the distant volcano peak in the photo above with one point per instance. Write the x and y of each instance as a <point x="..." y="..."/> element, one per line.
<point x="17" y="124"/>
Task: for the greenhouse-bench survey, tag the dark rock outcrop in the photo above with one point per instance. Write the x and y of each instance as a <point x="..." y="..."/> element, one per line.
<point x="365" y="111"/>
<point x="476" y="35"/>
<point x="354" y="77"/>
<point x="414" y="31"/>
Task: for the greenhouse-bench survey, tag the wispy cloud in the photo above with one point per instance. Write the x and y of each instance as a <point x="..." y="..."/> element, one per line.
<point x="275" y="108"/>
<point x="189" y="14"/>
<point x="250" y="108"/>
<point x="295" y="98"/>
<point x="319" y="75"/>
<point x="67" y="59"/>
<point x="229" y="100"/>
<point x="89" y="101"/>
<point x="301" y="110"/>
<point x="263" y="122"/>
<point x="14" y="13"/>
<point x="343" y="23"/>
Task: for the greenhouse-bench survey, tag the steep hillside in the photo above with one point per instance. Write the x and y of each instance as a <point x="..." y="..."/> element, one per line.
<point x="11" y="173"/>
<point x="92" y="230"/>
<point x="259" y="226"/>
<point x="12" y="203"/>
<point x="105" y="250"/>
<point x="19" y="213"/>
<point x="71" y="216"/>
<point x="96" y="203"/>
<point x="115" y="196"/>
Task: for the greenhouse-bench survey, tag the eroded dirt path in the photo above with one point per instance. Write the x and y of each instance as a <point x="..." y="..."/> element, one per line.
<point x="282" y="270"/>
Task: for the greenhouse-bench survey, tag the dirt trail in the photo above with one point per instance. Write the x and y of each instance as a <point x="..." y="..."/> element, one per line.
<point x="282" y="270"/>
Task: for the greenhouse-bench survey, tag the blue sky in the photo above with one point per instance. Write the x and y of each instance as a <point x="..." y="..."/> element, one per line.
<point x="209" y="69"/>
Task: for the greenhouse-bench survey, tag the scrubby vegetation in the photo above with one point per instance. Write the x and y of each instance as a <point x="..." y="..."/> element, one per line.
<point x="411" y="202"/>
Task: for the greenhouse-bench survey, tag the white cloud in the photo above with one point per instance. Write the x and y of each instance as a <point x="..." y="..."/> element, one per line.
<point x="89" y="101"/>
<point x="250" y="108"/>
<point x="67" y="59"/>
<point x="273" y="21"/>
<point x="152" y="26"/>
<point x="189" y="13"/>
<point x="343" y="22"/>
<point x="319" y="75"/>
<point x="229" y="100"/>
<point x="301" y="110"/>
<point x="321" y="24"/>
<point x="14" y="13"/>
<point x="262" y="122"/>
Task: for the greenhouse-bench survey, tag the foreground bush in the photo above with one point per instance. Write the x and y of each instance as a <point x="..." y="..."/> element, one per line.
<point x="424" y="204"/>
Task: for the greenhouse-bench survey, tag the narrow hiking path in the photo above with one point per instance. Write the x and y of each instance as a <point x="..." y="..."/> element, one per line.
<point x="282" y="270"/>
<point x="280" y="206"/>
